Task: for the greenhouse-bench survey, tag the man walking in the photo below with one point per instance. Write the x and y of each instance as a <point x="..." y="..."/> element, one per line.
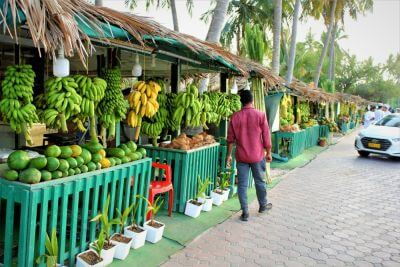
<point x="249" y="130"/>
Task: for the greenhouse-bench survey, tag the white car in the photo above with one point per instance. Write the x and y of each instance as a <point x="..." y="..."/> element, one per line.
<point x="382" y="137"/>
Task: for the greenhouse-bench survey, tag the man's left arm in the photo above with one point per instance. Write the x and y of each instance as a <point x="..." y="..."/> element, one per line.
<point x="266" y="137"/>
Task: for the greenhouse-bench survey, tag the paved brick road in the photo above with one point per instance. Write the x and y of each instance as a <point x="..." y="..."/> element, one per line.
<point x="338" y="210"/>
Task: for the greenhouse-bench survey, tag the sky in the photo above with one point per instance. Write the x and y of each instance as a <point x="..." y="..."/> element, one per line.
<point x="375" y="35"/>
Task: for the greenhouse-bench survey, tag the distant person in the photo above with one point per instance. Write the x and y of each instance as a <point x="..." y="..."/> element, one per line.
<point x="369" y="116"/>
<point x="379" y="113"/>
<point x="386" y="110"/>
<point x="248" y="129"/>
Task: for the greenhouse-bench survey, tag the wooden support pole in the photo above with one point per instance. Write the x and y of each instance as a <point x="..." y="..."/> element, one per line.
<point x="17" y="50"/>
<point x="175" y="76"/>
<point x="223" y="127"/>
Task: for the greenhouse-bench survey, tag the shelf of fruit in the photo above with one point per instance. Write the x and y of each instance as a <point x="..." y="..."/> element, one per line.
<point x="183" y="142"/>
<point x="63" y="161"/>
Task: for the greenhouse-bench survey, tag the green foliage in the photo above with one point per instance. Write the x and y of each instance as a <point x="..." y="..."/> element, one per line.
<point x="99" y="244"/>
<point x="155" y="207"/>
<point x="202" y="186"/>
<point x="106" y="224"/>
<point x="224" y="180"/>
<point x="123" y="217"/>
<point x="51" y="255"/>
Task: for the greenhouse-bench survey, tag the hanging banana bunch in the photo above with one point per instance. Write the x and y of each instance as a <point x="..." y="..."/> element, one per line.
<point x="16" y="106"/>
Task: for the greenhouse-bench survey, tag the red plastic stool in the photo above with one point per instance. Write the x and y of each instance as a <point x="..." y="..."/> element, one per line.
<point x="159" y="187"/>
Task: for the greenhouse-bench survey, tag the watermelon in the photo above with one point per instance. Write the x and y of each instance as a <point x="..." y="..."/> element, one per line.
<point x="52" y="151"/>
<point x="46" y="175"/>
<point x="66" y="152"/>
<point x="142" y="151"/>
<point x="64" y="166"/>
<point x="18" y="160"/>
<point x="132" y="146"/>
<point x="86" y="155"/>
<point x="11" y="175"/>
<point x="77" y="170"/>
<point x="84" y="168"/>
<point x="52" y="164"/>
<point x="38" y="163"/>
<point x="30" y="176"/>
<point x="72" y="162"/>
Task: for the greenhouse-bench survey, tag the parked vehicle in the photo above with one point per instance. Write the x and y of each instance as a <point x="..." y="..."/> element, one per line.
<point x="383" y="137"/>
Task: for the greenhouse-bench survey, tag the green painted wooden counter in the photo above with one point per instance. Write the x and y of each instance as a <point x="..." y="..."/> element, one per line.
<point x="324" y="131"/>
<point x="187" y="166"/>
<point x="67" y="204"/>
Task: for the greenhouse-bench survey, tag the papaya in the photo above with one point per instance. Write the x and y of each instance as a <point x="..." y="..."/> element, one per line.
<point x="11" y="175"/>
<point x="117" y="161"/>
<point x="66" y="152"/>
<point x="132" y="146"/>
<point x="52" y="164"/>
<point x="46" y="175"/>
<point x="142" y="151"/>
<point x="84" y="168"/>
<point x="18" y="160"/>
<point x="93" y="146"/>
<point x="72" y="162"/>
<point x="38" y="163"/>
<point x="86" y="155"/>
<point x="138" y="155"/>
<point x="91" y="166"/>
<point x="56" y="174"/>
<point x="65" y="174"/>
<point x="64" y="165"/>
<point x="112" y="161"/>
<point x="71" y="172"/>
<point x="105" y="163"/>
<point x="79" y="161"/>
<point x="52" y="151"/>
<point x="115" y="152"/>
<point x="96" y="157"/>
<point x="98" y="166"/>
<point x="30" y="176"/>
<point x="76" y="150"/>
<point x="125" y="148"/>
<point x="102" y="152"/>
<point x="77" y="170"/>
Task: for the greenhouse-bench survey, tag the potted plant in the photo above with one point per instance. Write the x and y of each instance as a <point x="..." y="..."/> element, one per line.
<point x="201" y="195"/>
<point x="108" y="251"/>
<point x="224" y="184"/>
<point x="122" y="242"/>
<point x="322" y="141"/>
<point x="154" y="228"/>
<point x="51" y="255"/>
<point x="137" y="233"/>
<point x="91" y="257"/>
<point x="194" y="206"/>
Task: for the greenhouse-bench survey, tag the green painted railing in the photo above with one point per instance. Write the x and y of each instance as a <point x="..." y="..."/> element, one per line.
<point x="186" y="167"/>
<point x="67" y="204"/>
<point x="344" y="127"/>
<point x="298" y="141"/>
<point x="324" y="131"/>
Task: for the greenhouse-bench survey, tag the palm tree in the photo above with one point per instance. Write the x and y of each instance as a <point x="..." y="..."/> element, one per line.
<point x="277" y="36"/>
<point x="163" y="3"/>
<point x="217" y="21"/>
<point x="292" y="52"/>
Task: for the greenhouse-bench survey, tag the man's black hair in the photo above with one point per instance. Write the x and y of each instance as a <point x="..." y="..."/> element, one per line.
<point x="372" y="108"/>
<point x="246" y="97"/>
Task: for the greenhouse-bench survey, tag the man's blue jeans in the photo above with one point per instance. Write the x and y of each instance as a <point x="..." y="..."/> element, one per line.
<point x="258" y="172"/>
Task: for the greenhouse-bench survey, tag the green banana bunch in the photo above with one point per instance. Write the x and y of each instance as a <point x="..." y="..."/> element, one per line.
<point x="113" y="107"/>
<point x="61" y="98"/>
<point x="188" y="107"/>
<point x="152" y="129"/>
<point x="16" y="106"/>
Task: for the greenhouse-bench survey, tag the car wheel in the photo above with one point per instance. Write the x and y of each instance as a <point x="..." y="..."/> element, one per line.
<point x="363" y="154"/>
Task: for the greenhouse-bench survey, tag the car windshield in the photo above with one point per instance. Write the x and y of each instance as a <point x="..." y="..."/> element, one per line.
<point x="390" y="121"/>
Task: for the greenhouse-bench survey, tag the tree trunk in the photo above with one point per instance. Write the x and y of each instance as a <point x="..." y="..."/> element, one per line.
<point x="217" y="21"/>
<point x="331" y="70"/>
<point x="238" y="43"/>
<point x="292" y="52"/>
<point x="277" y="36"/>
<point x="326" y="44"/>
<point x="174" y="15"/>
<point x="98" y="3"/>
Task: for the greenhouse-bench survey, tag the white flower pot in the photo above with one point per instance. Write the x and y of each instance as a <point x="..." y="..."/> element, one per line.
<point x="192" y="210"/>
<point x="81" y="263"/>
<point x="226" y="193"/>
<point x="138" y="239"/>
<point x="207" y="203"/>
<point x="108" y="255"/>
<point x="121" y="248"/>
<point x="217" y="199"/>
<point x="153" y="234"/>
